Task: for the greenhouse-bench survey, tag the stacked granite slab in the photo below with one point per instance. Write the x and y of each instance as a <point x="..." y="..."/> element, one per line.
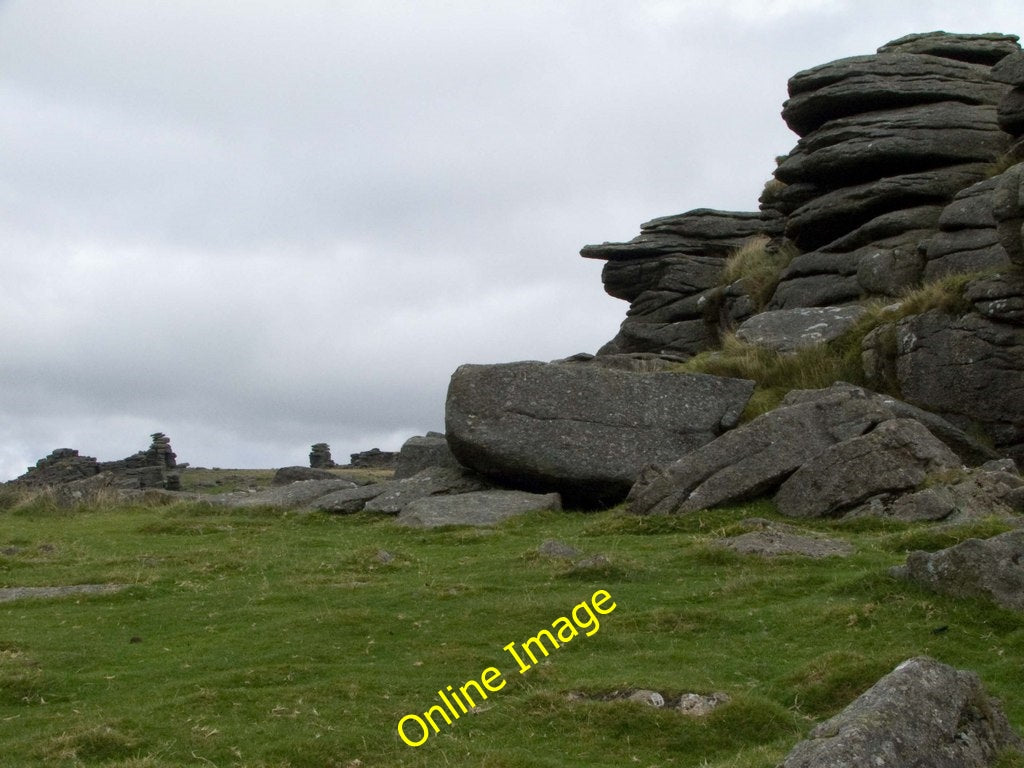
<point x="320" y="456"/>
<point x="671" y="275"/>
<point x="887" y="142"/>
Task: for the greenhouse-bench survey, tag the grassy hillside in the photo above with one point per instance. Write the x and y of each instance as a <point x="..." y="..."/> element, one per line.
<point x="266" y="639"/>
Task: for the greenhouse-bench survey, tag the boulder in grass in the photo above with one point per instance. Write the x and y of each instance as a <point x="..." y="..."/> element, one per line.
<point x="923" y="713"/>
<point x="987" y="568"/>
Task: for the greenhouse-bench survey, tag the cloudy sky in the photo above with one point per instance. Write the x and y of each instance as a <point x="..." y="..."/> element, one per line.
<point x="259" y="225"/>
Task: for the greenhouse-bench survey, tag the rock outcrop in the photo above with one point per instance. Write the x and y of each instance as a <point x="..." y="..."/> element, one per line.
<point x="887" y="142"/>
<point x="156" y="467"/>
<point x="894" y="457"/>
<point x="584" y="431"/>
<point x="374" y="458"/>
<point x="992" y="569"/>
<point x="923" y="713"/>
<point x="755" y="459"/>
<point x="671" y="274"/>
<point x="320" y="456"/>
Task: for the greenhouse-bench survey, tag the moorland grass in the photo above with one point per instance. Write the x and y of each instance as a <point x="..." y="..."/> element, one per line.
<point x="255" y="638"/>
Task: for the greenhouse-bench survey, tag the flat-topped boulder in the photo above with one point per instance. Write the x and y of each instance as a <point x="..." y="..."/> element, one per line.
<point x="585" y="431"/>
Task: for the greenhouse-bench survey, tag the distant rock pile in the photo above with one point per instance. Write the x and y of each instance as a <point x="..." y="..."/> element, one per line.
<point x="374" y="458"/>
<point x="155" y="467"/>
<point x="320" y="456"/>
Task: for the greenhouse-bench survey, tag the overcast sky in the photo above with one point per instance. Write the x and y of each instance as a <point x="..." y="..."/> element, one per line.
<point x="256" y="226"/>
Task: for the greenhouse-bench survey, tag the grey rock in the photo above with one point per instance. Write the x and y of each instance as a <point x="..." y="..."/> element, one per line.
<point x="1008" y="210"/>
<point x="998" y="297"/>
<point x="10" y="594"/>
<point x="755" y="458"/>
<point x="701" y="232"/>
<point x="978" y="494"/>
<point x="636" y="362"/>
<point x="350" y="500"/>
<point x="374" y="458"/>
<point x="475" y="508"/>
<point x="1011" y="112"/>
<point x="872" y="144"/>
<point x="970" y="451"/>
<point x="885" y="81"/>
<point x="774" y="540"/>
<point x="923" y="713"/>
<point x="684" y="338"/>
<point x="701" y="705"/>
<point x="683" y="273"/>
<point x="992" y="569"/>
<point x="971" y="208"/>
<point x="836" y="213"/>
<point x="1001" y="465"/>
<point x="895" y="456"/>
<point x="1009" y="70"/>
<point x="987" y="48"/>
<point x="963" y="251"/>
<point x="553" y="548"/>
<point x="423" y="451"/>
<point x="889" y="270"/>
<point x="650" y="698"/>
<point x="287" y="475"/>
<point x="904" y="225"/>
<point x="815" y="291"/>
<point x="320" y="456"/>
<point x="298" y="494"/>
<point x="967" y="367"/>
<point x="788" y="330"/>
<point x="582" y="430"/>
<point x="433" y="481"/>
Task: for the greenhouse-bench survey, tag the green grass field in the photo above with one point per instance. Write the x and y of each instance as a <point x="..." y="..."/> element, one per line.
<point x="269" y="639"/>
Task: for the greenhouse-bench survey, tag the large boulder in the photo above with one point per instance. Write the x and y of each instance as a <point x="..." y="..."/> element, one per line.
<point x="894" y="457"/>
<point x="287" y="475"/>
<point x="923" y="713"/>
<point x="756" y="458"/>
<point x="583" y="430"/>
<point x="988" y="568"/>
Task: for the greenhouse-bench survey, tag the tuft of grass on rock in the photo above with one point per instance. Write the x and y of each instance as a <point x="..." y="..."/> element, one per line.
<point x="758" y="263"/>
